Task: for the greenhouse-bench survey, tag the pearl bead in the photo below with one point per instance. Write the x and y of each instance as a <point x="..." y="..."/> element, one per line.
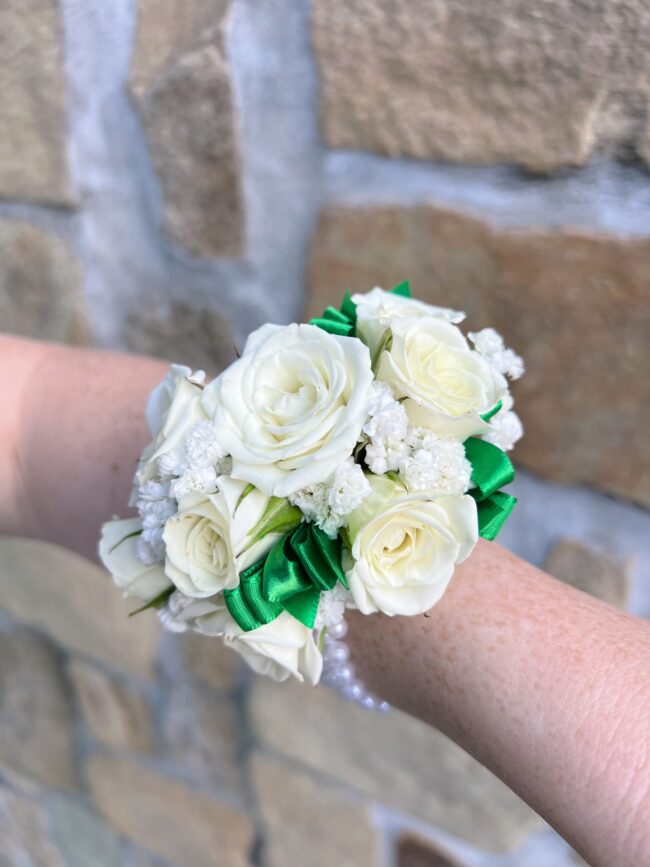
<point x="338" y="630"/>
<point x="346" y="673"/>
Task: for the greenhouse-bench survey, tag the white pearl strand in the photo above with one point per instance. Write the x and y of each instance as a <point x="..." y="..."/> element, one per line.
<point x="338" y="671"/>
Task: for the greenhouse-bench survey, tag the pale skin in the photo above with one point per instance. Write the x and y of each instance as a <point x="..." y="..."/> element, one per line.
<point x="546" y="686"/>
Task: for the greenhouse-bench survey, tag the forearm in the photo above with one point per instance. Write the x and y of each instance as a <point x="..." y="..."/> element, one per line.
<point x="546" y="686"/>
<point x="73" y="433"/>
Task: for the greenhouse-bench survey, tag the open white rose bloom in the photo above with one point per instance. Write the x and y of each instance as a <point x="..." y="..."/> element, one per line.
<point x="348" y="463"/>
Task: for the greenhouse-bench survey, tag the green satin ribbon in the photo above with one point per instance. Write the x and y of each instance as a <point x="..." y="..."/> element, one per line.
<point x="344" y="320"/>
<point x="297" y="569"/>
<point x="491" y="470"/>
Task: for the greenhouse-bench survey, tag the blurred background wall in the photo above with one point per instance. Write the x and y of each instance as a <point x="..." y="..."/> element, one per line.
<point x="173" y="173"/>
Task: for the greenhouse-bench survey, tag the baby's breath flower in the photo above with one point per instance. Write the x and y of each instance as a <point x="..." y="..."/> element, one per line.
<point x="490" y="345"/>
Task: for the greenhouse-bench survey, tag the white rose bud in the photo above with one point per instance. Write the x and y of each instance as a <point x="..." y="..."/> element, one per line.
<point x="207" y="541"/>
<point x="291" y="409"/>
<point x="118" y="551"/>
<point x="405" y="547"/>
<point x="447" y="385"/>
<point x="377" y="310"/>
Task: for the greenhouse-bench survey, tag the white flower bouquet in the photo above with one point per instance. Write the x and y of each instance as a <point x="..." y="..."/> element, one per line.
<point x="351" y="462"/>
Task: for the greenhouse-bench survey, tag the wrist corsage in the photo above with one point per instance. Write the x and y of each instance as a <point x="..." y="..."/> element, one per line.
<point x="348" y="463"/>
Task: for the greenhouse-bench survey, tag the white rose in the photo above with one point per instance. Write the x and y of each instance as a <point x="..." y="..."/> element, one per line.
<point x="405" y="547"/>
<point x="207" y="541"/>
<point x="161" y="398"/>
<point x="174" y="407"/>
<point x="117" y="551"/>
<point x="448" y="386"/>
<point x="376" y="311"/>
<point x="278" y="649"/>
<point x="291" y="409"/>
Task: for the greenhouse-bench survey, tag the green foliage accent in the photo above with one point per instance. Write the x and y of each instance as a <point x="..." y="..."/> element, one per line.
<point x="124" y="538"/>
<point x="279" y="516"/>
<point x="403" y="289"/>
<point x="384" y="345"/>
<point x="157" y="602"/>
<point x="247" y="490"/>
<point x="492" y="412"/>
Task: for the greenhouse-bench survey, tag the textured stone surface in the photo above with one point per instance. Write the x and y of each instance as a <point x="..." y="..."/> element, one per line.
<point x="40" y="283"/>
<point x="167" y="817"/>
<point x="24" y="837"/>
<point x="416" y="852"/>
<point x="114" y="712"/>
<point x="83" y="838"/>
<point x="575" y="306"/>
<point x="181" y="83"/>
<point x="33" y="162"/>
<point x="76" y="603"/>
<point x="394" y="759"/>
<point x="588" y="570"/>
<point x="326" y="828"/>
<point x="37" y="729"/>
<point x="210" y="662"/>
<point x="199" y="338"/>
<point x="201" y="732"/>
<point x="485" y="82"/>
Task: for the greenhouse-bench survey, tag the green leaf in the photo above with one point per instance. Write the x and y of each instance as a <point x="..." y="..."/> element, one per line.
<point x="495" y="409"/>
<point x="344" y="533"/>
<point x="247" y="490"/>
<point x="124" y="538"/>
<point x="157" y="602"/>
<point x="279" y="516"/>
<point x="385" y="343"/>
<point x="395" y="477"/>
<point x="402" y="289"/>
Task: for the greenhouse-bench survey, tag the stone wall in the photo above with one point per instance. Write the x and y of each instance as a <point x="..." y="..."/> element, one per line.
<point x="175" y="172"/>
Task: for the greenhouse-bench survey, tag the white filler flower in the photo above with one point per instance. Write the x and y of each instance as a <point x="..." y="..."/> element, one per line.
<point x="290" y="410"/>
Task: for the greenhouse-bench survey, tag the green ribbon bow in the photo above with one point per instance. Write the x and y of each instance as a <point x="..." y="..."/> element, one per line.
<point x="344" y="320"/>
<point x="291" y="578"/>
<point x="491" y="469"/>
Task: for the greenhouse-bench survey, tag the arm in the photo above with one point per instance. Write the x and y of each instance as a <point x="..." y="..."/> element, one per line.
<point x="547" y="687"/>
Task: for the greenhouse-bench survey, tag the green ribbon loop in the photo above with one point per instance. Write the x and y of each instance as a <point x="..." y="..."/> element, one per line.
<point x="297" y="569"/>
<point x="493" y="512"/>
<point x="491" y="470"/>
<point x="344" y="320"/>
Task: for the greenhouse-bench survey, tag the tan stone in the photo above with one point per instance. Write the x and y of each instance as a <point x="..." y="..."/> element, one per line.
<point x="76" y="603"/>
<point x="167" y="817"/>
<point x="40" y="284"/>
<point x="485" y="82"/>
<point x="201" y="731"/>
<point x="199" y="338"/>
<point x="37" y="726"/>
<point x="417" y="852"/>
<point x="181" y="84"/>
<point x="393" y="759"/>
<point x="574" y="305"/>
<point x="24" y="834"/>
<point x="327" y="826"/>
<point x="114" y="712"/>
<point x="588" y="570"/>
<point x="209" y="661"/>
<point x="33" y="163"/>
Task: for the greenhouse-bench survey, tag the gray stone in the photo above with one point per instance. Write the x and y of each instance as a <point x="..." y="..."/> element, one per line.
<point x="199" y="338"/>
<point x="75" y="603"/>
<point x="201" y="732"/>
<point x="393" y="759"/>
<point x="573" y="304"/>
<point x="40" y="283"/>
<point x="37" y="726"/>
<point x="25" y="840"/>
<point x="485" y="82"/>
<point x="209" y="661"/>
<point x="168" y="817"/>
<point x="115" y="713"/>
<point x="83" y="838"/>
<point x="588" y="570"/>
<point x="329" y="825"/>
<point x="181" y="84"/>
<point x="33" y="162"/>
